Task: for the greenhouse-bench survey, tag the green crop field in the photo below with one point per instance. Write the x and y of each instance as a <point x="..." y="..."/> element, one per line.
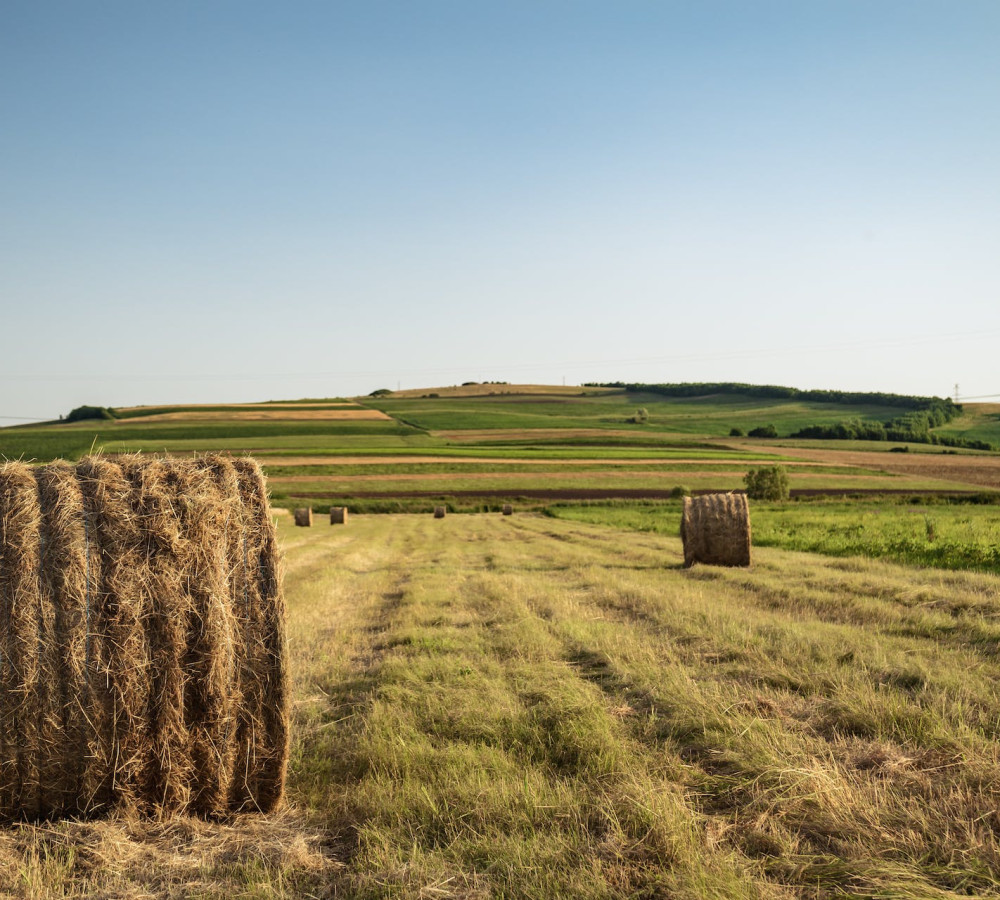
<point x="713" y="416"/>
<point x="583" y="437"/>
<point x="529" y="707"/>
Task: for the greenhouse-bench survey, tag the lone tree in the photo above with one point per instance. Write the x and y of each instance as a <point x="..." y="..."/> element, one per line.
<point x="767" y="483"/>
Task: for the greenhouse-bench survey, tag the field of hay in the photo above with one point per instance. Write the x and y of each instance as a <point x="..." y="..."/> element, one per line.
<point x="523" y="706"/>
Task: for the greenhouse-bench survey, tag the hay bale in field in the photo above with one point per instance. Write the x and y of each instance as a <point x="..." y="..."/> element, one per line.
<point x="338" y="515"/>
<point x="439" y="512"/>
<point x="508" y="509"/>
<point x="304" y="516"/>
<point x="142" y="647"/>
<point x="715" y="529"/>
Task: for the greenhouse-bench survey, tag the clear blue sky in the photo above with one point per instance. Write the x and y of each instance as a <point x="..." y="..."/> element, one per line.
<point x="222" y="201"/>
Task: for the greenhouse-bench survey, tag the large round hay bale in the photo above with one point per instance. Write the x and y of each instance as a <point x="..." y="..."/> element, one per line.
<point x="439" y="512"/>
<point x="508" y="509"/>
<point x="715" y="529"/>
<point x="142" y="641"/>
<point x="304" y="516"/>
<point x="338" y="515"/>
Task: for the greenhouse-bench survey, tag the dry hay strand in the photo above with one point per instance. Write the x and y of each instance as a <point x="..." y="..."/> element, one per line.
<point x="508" y="509"/>
<point x="142" y="643"/>
<point x="338" y="515"/>
<point x="304" y="516"/>
<point x="259" y="779"/>
<point x="136" y="858"/>
<point x="715" y="529"/>
<point x="439" y="512"/>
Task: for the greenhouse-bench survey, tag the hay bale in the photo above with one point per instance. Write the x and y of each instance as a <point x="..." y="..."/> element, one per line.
<point x="439" y="512"/>
<point x="508" y="509"/>
<point x="338" y="515"/>
<point x="715" y="529"/>
<point x="142" y="647"/>
<point x="304" y="516"/>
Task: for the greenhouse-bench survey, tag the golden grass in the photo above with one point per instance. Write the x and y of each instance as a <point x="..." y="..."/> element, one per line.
<point x="266" y="414"/>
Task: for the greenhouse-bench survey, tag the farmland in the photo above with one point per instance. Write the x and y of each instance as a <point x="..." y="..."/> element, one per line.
<point x="548" y="705"/>
<point x="537" y="707"/>
<point x="483" y="444"/>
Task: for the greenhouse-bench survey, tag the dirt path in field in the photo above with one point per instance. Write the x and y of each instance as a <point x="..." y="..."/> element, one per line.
<point x="672" y="476"/>
<point x="257" y="414"/>
<point x="507" y="461"/>
<point x="614" y="493"/>
<point x="960" y="468"/>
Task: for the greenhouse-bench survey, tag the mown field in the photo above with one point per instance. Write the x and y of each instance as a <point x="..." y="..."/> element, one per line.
<point x="525" y="706"/>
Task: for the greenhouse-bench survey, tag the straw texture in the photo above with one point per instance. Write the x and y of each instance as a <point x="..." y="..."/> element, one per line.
<point x="715" y="529"/>
<point x="338" y="515"/>
<point x="439" y="512"/>
<point x="304" y="516"/>
<point x="508" y="509"/>
<point x="142" y="657"/>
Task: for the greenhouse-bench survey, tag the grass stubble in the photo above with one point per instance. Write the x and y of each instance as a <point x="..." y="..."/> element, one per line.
<point x="526" y="707"/>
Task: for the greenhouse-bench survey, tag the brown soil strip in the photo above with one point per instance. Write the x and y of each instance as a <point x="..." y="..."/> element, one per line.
<point x="979" y="470"/>
<point x="499" y="476"/>
<point x="505" y="461"/>
<point x="619" y="493"/>
<point x="262" y="414"/>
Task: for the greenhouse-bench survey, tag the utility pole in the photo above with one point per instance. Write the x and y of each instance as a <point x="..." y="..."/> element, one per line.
<point x="956" y="393"/>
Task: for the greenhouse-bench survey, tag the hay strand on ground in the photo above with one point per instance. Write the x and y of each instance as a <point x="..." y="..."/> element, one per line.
<point x="142" y="643"/>
<point x="715" y="529"/>
<point x="304" y="516"/>
<point x="338" y="515"/>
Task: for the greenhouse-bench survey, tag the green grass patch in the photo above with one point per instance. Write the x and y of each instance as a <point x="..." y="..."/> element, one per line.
<point x="943" y="535"/>
<point x="714" y="415"/>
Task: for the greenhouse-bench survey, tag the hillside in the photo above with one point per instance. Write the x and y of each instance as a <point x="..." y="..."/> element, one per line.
<point x="480" y="443"/>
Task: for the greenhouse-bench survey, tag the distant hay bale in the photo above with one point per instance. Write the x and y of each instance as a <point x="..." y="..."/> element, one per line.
<point x="338" y="515"/>
<point x="304" y="516"/>
<point x="508" y="509"/>
<point x="439" y="512"/>
<point x="142" y="639"/>
<point x="715" y="529"/>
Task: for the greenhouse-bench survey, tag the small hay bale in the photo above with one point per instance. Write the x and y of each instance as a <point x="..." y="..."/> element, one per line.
<point x="142" y="639"/>
<point x="338" y="515"/>
<point x="508" y="509"/>
<point x="439" y="512"/>
<point x="304" y="516"/>
<point x="715" y="529"/>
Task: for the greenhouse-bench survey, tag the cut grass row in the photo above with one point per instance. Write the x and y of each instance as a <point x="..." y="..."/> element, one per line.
<point x="533" y="708"/>
<point x="525" y="708"/>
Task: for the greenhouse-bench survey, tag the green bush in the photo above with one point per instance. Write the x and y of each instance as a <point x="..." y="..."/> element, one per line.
<point x="764" y="431"/>
<point x="736" y="432"/>
<point x="767" y="483"/>
<point x="679" y="491"/>
<point x="89" y="412"/>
